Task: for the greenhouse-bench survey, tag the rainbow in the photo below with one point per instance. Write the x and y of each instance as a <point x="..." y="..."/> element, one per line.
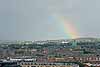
<point x="67" y="26"/>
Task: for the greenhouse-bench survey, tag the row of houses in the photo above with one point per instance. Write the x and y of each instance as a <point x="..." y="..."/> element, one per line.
<point x="79" y="59"/>
<point x="48" y="64"/>
<point x="36" y="64"/>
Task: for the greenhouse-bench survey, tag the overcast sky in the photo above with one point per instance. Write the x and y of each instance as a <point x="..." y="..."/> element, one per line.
<point x="30" y="19"/>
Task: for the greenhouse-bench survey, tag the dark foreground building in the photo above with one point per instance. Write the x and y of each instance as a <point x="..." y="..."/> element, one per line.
<point x="9" y="64"/>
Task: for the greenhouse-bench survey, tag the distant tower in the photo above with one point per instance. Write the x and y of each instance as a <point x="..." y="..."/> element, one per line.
<point x="74" y="43"/>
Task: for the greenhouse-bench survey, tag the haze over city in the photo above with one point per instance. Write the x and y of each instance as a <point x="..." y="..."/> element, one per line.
<point x="49" y="19"/>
